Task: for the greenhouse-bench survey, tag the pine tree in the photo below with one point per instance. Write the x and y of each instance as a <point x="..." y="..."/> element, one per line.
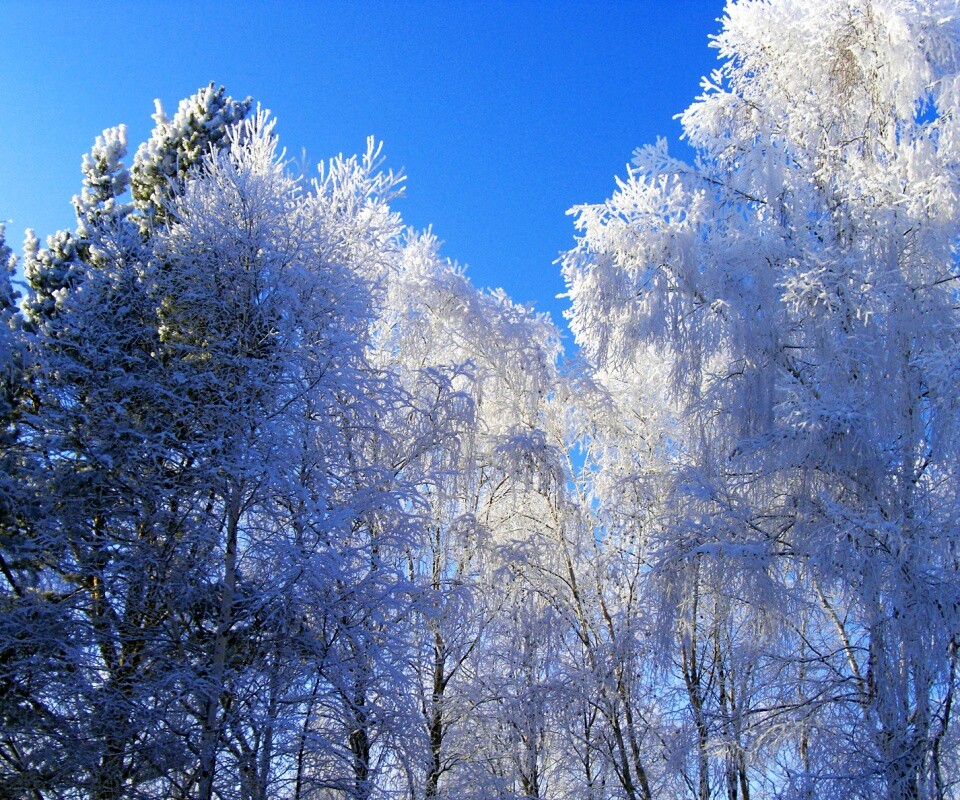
<point x="177" y="145"/>
<point x="197" y="439"/>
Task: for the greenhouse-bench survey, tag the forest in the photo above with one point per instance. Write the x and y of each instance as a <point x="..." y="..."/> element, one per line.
<point x="290" y="510"/>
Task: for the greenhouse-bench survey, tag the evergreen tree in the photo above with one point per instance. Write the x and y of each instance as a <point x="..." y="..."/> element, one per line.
<point x="177" y="145"/>
<point x="198" y="447"/>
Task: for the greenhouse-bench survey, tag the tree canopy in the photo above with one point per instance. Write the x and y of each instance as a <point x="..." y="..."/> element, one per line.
<point x="290" y="509"/>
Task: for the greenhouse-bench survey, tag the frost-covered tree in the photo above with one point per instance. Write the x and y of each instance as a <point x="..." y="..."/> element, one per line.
<point x="475" y="370"/>
<point x="356" y="725"/>
<point x="177" y="145"/>
<point x="213" y="544"/>
<point x="90" y="441"/>
<point x="19" y="616"/>
<point x="798" y="281"/>
<point x="12" y="385"/>
<point x="264" y="307"/>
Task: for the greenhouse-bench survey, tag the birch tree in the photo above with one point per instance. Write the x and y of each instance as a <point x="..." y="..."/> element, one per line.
<point x="476" y="370"/>
<point x="799" y="282"/>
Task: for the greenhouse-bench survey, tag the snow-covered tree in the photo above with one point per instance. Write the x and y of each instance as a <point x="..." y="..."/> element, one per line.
<point x="213" y="533"/>
<point x="97" y="575"/>
<point x="177" y="145"/>
<point x="799" y="281"/>
<point x="476" y="370"/>
<point x="288" y="508"/>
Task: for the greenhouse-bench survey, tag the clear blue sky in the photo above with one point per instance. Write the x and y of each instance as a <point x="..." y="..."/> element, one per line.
<point x="501" y="114"/>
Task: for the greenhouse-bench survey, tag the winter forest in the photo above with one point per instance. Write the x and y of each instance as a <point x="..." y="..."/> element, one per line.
<point x="290" y="510"/>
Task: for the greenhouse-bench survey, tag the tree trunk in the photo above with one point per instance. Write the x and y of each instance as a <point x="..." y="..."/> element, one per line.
<point x="435" y="723"/>
<point x="211" y="725"/>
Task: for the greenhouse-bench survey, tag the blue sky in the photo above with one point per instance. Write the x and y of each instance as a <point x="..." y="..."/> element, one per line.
<point x="502" y="114"/>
